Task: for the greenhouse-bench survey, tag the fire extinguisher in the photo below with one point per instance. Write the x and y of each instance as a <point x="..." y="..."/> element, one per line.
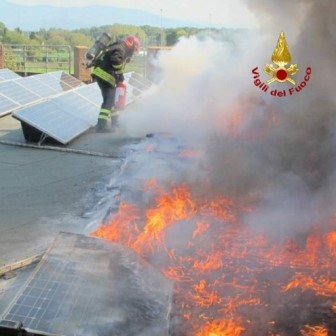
<point x="120" y="96"/>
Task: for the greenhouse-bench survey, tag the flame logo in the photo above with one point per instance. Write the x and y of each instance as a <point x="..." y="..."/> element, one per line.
<point x="281" y="57"/>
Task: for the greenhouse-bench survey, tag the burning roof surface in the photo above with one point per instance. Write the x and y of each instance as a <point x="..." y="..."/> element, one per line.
<point x="243" y="217"/>
<point x="236" y="205"/>
<point x="230" y="279"/>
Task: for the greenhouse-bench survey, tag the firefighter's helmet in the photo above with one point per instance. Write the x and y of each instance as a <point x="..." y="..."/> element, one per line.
<point x="132" y="42"/>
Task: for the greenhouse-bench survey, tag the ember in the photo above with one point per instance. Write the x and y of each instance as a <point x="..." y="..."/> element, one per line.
<point x="229" y="280"/>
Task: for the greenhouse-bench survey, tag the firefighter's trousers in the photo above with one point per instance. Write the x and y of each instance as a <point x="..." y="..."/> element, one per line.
<point x="107" y="110"/>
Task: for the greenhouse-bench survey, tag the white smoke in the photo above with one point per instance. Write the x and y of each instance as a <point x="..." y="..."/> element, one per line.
<point x="207" y="88"/>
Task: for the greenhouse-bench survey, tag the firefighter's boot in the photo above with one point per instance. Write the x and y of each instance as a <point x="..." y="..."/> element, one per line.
<point x="114" y="122"/>
<point x="103" y="126"/>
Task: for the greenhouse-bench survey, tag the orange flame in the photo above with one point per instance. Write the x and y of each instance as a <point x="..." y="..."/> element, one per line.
<point x="219" y="265"/>
<point x="221" y="328"/>
<point x="314" y="331"/>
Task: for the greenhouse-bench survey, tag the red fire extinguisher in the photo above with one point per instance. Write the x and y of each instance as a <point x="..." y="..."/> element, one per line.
<point x="120" y="96"/>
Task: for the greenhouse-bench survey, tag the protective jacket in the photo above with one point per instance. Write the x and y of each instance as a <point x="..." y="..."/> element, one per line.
<point x="109" y="68"/>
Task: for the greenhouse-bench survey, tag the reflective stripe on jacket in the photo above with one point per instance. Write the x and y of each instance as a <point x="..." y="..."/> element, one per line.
<point x="104" y="75"/>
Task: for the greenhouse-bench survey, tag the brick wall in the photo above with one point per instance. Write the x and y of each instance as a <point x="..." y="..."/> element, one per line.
<point x="80" y="71"/>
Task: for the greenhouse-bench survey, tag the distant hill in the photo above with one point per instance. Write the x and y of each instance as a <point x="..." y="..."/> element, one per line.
<point x="33" y="18"/>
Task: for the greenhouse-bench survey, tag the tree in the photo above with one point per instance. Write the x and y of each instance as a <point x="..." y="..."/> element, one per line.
<point x="15" y="37"/>
<point x="2" y="28"/>
<point x="171" y="38"/>
<point x="79" y="39"/>
<point x="3" y="31"/>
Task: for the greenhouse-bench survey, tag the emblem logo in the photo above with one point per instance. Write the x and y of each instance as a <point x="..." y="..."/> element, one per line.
<point x="281" y="57"/>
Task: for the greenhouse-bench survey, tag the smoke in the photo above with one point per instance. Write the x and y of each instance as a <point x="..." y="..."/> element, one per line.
<point x="278" y="152"/>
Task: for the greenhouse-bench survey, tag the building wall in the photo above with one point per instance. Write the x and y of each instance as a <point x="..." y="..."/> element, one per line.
<point x="2" y="57"/>
<point x="80" y="70"/>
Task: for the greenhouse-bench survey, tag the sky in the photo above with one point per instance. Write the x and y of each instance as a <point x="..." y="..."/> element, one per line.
<point x="216" y="13"/>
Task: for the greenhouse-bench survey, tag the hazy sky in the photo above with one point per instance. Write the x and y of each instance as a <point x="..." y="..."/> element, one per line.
<point x="212" y="12"/>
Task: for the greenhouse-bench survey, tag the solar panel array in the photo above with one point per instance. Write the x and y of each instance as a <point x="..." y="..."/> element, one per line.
<point x="17" y="92"/>
<point x="66" y="116"/>
<point x="56" y="104"/>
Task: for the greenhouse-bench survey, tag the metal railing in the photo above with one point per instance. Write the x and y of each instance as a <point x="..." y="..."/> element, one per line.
<point x="38" y="59"/>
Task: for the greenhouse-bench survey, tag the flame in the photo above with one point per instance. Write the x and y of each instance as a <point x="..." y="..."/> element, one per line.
<point x="281" y="55"/>
<point x="331" y="243"/>
<point x="221" y="328"/>
<point x="201" y="228"/>
<point x="170" y="208"/>
<point x="321" y="286"/>
<point x="225" y="274"/>
<point x="314" y="331"/>
<point x="118" y="227"/>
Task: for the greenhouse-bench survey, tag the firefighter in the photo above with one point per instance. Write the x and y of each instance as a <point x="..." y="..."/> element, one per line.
<point x="108" y="72"/>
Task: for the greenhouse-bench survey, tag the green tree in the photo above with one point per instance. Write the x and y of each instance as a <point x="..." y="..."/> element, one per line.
<point x="171" y="38"/>
<point x="15" y="37"/>
<point x="3" y="31"/>
<point x="2" y="27"/>
<point x="11" y="62"/>
<point x="79" y="39"/>
<point x="56" y="37"/>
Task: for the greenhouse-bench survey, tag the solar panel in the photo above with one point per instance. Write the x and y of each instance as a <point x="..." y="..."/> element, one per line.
<point x="26" y="90"/>
<point x="59" y="81"/>
<point x="88" y="286"/>
<point x="6" y="105"/>
<point x="37" y="86"/>
<point x="53" y="120"/>
<point x="76" y="104"/>
<point x="6" y="74"/>
<point x="64" y="117"/>
<point x="90" y="92"/>
<point x="17" y="93"/>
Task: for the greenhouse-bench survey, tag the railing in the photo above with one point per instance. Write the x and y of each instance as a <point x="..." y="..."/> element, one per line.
<point x="30" y="59"/>
<point x="38" y="59"/>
